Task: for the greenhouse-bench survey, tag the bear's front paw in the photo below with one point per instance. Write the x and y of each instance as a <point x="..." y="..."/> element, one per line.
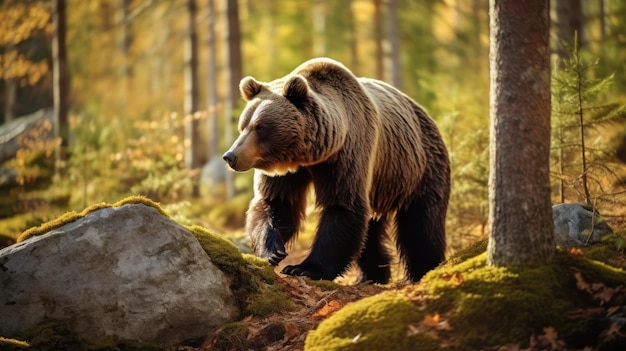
<point x="306" y="271"/>
<point x="275" y="247"/>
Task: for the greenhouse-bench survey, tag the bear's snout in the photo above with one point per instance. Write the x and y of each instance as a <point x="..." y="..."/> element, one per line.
<point x="230" y="158"/>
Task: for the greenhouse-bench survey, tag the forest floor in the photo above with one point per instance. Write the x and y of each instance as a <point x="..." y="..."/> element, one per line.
<point x="287" y="331"/>
<point x="602" y="304"/>
<point x="598" y="298"/>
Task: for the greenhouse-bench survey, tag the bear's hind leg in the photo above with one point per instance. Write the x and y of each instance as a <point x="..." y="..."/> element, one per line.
<point x="374" y="259"/>
<point x="421" y="238"/>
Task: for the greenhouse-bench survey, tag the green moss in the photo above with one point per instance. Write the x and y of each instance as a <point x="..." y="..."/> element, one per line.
<point x="52" y="336"/>
<point x="263" y="269"/>
<point x="507" y="304"/>
<point x="252" y="278"/>
<point x="379" y="322"/>
<point x="471" y="251"/>
<point x="73" y="216"/>
<point x="270" y="300"/>
<point x="484" y="306"/>
<point x="222" y="252"/>
<point x="607" y="252"/>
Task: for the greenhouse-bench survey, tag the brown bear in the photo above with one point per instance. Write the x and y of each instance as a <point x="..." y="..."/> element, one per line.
<point x="376" y="161"/>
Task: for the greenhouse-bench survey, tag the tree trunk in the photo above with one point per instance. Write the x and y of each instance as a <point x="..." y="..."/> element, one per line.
<point x="192" y="124"/>
<point x="520" y="216"/>
<point x="378" y="40"/>
<point x="234" y="50"/>
<point x="123" y="45"/>
<point x="581" y="130"/>
<point x="394" y="43"/>
<point x="61" y="81"/>
<point x="319" y="28"/>
<point x="603" y="20"/>
<point x="354" y="41"/>
<point x="233" y="76"/>
<point x="213" y="134"/>
<point x="569" y="21"/>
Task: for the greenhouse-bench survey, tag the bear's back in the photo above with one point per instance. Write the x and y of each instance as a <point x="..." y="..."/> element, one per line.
<point x="400" y="159"/>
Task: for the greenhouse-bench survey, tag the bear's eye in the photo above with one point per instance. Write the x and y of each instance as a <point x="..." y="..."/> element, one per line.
<point x="261" y="129"/>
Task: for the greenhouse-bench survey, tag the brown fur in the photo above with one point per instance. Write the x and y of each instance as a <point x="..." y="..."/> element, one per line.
<point x="370" y="152"/>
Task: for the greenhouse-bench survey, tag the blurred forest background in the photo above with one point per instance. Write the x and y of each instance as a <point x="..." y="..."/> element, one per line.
<point x="141" y="97"/>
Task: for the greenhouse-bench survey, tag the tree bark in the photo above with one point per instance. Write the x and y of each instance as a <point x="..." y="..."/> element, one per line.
<point x="61" y="80"/>
<point x="234" y="49"/>
<point x="569" y="25"/>
<point x="378" y="39"/>
<point x="354" y="41"/>
<point x="233" y="76"/>
<point x="394" y="43"/>
<point x="123" y="46"/>
<point x="213" y="134"/>
<point x="192" y="124"/>
<point x="319" y="28"/>
<point x="520" y="216"/>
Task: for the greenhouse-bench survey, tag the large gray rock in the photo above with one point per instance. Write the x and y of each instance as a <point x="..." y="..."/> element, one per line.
<point x="128" y="272"/>
<point x="572" y="226"/>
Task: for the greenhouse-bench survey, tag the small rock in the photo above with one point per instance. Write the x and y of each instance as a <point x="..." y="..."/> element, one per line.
<point x="572" y="225"/>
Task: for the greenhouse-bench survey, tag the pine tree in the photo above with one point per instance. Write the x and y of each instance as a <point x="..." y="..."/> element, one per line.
<point x="579" y="162"/>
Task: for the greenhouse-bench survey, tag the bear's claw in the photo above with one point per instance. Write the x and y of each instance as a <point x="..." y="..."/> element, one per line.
<point x="275" y="247"/>
<point x="301" y="271"/>
<point x="275" y="258"/>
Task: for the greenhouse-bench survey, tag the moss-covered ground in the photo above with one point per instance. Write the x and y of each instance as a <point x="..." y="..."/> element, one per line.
<point x="574" y="303"/>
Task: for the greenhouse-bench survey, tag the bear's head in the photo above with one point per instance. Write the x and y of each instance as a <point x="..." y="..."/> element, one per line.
<point x="273" y="127"/>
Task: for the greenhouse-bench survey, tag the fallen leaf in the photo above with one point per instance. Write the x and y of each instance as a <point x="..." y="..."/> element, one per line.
<point x="581" y="284"/>
<point x="328" y="308"/>
<point x="611" y="310"/>
<point x="551" y="336"/>
<point x="576" y="252"/>
<point x="431" y="320"/>
<point x="455" y="278"/>
<point x="614" y="331"/>
<point x="291" y="330"/>
<point x="605" y="294"/>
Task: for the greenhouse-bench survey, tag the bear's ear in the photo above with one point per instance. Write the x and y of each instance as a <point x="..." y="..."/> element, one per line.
<point x="296" y="89"/>
<point x="249" y="88"/>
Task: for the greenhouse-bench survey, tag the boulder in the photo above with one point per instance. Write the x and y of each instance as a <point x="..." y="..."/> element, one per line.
<point x="573" y="223"/>
<point x="128" y="272"/>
